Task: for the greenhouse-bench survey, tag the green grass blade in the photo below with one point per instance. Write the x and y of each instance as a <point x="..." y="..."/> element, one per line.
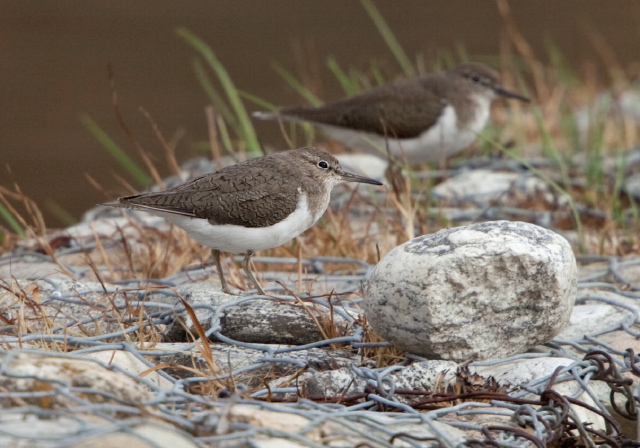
<point x="123" y="159"/>
<point x="248" y="133"/>
<point x="12" y="221"/>
<point x="566" y="75"/>
<point x="377" y="74"/>
<point x="224" y="137"/>
<point x="549" y="147"/>
<point x="216" y="100"/>
<point x="569" y="126"/>
<point x="617" y="211"/>
<point x="258" y="101"/>
<point x="388" y="37"/>
<point x="444" y="59"/>
<point x="347" y="84"/>
<point x="462" y="53"/>
<point x="361" y="81"/>
<point x="421" y="68"/>
<point x="66" y="218"/>
<point x="595" y="147"/>
<point x="297" y="85"/>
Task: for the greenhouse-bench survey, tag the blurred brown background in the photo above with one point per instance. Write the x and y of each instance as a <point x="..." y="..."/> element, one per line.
<point x="53" y="59"/>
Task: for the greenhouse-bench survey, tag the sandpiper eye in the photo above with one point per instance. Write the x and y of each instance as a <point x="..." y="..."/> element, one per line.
<point x="322" y="164"/>
<point x="475" y="78"/>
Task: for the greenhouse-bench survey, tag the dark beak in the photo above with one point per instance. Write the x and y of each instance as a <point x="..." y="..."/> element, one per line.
<point x="507" y="94"/>
<point x="348" y="177"/>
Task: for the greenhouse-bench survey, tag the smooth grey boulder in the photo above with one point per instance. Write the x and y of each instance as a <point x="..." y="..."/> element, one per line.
<point x="262" y="321"/>
<point x="484" y="291"/>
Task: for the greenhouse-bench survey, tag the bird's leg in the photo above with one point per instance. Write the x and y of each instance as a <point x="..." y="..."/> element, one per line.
<point x="246" y="265"/>
<point x="216" y="258"/>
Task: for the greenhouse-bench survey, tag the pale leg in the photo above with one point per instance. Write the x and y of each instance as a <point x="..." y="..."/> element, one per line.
<point x="246" y="265"/>
<point x="216" y="258"/>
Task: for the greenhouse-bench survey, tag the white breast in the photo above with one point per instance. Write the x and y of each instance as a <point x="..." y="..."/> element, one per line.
<point x="483" y="112"/>
<point x="238" y="239"/>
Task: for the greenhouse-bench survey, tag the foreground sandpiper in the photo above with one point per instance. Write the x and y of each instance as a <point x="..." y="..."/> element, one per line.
<point x="255" y="205"/>
<point x="423" y="120"/>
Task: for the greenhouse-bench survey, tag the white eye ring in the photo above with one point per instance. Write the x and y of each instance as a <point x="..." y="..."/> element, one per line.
<point x="322" y="164"/>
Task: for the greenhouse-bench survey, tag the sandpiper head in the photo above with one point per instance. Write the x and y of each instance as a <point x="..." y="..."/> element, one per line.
<point x="484" y="80"/>
<point x="324" y="167"/>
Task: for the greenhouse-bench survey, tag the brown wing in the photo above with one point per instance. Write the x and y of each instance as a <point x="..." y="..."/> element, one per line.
<point x="248" y="194"/>
<point x="402" y="110"/>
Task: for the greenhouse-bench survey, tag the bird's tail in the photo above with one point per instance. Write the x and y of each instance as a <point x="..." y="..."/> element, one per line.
<point x="264" y="115"/>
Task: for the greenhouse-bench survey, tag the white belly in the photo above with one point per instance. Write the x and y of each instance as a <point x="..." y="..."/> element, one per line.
<point x="240" y="240"/>
<point x="442" y="140"/>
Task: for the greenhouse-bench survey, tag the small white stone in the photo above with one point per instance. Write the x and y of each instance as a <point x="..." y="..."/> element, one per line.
<point x="485" y="291"/>
<point x="594" y="318"/>
<point x="486" y="186"/>
<point x="477" y="185"/>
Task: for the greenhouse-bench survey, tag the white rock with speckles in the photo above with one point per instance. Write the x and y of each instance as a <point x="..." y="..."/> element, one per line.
<point x="484" y="291"/>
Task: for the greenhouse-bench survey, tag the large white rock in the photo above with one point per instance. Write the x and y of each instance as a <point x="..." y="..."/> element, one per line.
<point x="484" y="291"/>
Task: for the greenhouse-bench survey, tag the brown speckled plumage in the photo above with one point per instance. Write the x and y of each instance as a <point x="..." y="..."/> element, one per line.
<point x="257" y="193"/>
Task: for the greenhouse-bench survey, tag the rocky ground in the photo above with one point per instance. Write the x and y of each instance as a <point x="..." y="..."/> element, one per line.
<point x="112" y="333"/>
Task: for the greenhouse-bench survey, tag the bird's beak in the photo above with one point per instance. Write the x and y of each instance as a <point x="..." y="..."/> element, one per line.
<point x="348" y="177"/>
<point x="508" y="94"/>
